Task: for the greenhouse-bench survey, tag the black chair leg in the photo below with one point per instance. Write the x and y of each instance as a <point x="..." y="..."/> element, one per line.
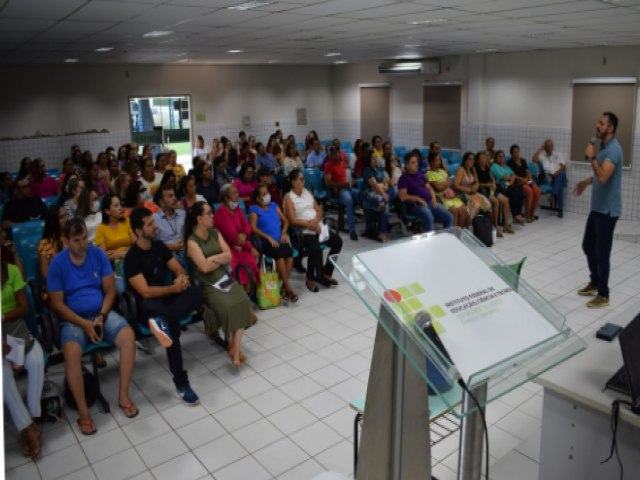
<point x="99" y="397"/>
<point x="356" y="433"/>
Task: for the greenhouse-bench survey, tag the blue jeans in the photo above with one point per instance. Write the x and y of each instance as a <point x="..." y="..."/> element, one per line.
<point x="113" y="324"/>
<point x="558" y="184"/>
<point x="428" y="215"/>
<point x="373" y="202"/>
<point x="596" y="244"/>
<point x="348" y="197"/>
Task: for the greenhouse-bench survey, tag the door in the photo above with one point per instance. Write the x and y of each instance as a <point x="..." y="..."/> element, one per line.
<point x="441" y="115"/>
<point x="374" y="112"/>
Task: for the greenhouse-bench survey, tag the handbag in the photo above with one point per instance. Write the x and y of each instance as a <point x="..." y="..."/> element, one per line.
<point x="268" y="291"/>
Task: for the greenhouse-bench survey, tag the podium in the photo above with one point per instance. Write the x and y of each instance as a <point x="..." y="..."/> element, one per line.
<point x="498" y="331"/>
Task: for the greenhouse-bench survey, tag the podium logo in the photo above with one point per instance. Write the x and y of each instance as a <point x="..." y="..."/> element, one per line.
<point x="405" y="301"/>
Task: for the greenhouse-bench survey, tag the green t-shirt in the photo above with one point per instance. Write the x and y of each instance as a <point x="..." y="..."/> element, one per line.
<point x="14" y="284"/>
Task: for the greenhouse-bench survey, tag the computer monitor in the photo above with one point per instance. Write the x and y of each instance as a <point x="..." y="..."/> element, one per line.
<point x="627" y="379"/>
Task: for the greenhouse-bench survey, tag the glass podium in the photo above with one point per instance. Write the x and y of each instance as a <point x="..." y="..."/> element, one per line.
<point x="497" y="333"/>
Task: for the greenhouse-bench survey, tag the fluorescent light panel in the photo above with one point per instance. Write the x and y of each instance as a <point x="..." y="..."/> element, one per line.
<point x="157" y="33"/>
<point x="249" y="5"/>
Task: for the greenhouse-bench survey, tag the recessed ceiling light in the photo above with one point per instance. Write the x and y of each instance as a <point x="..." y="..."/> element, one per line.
<point x="184" y="60"/>
<point x="235" y="51"/>
<point x="71" y="60"/>
<point x="273" y="61"/>
<point x="432" y="21"/>
<point x="104" y="49"/>
<point x="157" y="33"/>
<point x="413" y="46"/>
<point x="340" y="62"/>
<point x="487" y="50"/>
<point x="332" y="54"/>
<point x="249" y="5"/>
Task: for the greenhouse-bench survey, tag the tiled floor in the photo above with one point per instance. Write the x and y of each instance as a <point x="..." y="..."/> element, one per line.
<point x="285" y="414"/>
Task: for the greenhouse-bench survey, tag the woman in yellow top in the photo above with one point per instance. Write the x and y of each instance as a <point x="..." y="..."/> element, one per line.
<point x="376" y="144"/>
<point x="175" y="166"/>
<point x="441" y="184"/>
<point x="113" y="235"/>
<point x="53" y="241"/>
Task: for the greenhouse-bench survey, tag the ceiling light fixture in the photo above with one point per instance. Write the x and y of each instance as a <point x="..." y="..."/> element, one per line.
<point x="487" y="50"/>
<point x="406" y="67"/>
<point x="413" y="46"/>
<point x="432" y="21"/>
<point x="340" y="62"/>
<point x="104" y="49"/>
<point x="235" y="51"/>
<point x="332" y="54"/>
<point x="157" y="33"/>
<point x="248" y="6"/>
<point x="71" y="60"/>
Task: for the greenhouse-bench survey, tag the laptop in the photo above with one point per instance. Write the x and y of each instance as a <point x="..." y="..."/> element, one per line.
<point x="627" y="379"/>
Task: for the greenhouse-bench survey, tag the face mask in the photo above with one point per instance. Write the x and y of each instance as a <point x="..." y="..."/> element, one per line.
<point x="380" y="161"/>
<point x="95" y="206"/>
<point x="233" y="205"/>
<point x="266" y="199"/>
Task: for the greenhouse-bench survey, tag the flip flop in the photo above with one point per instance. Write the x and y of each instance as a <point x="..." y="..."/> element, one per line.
<point x="87" y="427"/>
<point x="130" y="411"/>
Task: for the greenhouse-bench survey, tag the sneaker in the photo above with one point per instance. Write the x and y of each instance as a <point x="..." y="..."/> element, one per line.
<point x="589" y="291"/>
<point x="598" y="302"/>
<point x="560" y="214"/>
<point x="353" y="236"/>
<point x="160" y="329"/>
<point x="188" y="396"/>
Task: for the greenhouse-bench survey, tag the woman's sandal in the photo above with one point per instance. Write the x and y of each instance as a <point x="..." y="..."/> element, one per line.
<point x="290" y="296"/>
<point x="232" y="354"/>
<point x="130" y="411"/>
<point x="87" y="427"/>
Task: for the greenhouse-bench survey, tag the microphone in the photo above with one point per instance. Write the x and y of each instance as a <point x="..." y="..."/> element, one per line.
<point x="423" y="321"/>
<point x="592" y="142"/>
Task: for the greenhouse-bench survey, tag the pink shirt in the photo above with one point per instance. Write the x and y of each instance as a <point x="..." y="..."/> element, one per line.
<point x="244" y="189"/>
<point x="48" y="187"/>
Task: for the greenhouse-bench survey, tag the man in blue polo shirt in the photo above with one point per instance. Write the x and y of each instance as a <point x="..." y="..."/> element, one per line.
<point x="606" y="206"/>
<point x="82" y="290"/>
<point x="315" y="158"/>
<point x="265" y="159"/>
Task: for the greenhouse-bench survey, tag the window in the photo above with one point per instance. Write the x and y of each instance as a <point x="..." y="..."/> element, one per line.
<point x="162" y="122"/>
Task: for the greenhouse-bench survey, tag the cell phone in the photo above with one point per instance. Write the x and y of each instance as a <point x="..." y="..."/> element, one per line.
<point x="608" y="331"/>
<point x="98" y="329"/>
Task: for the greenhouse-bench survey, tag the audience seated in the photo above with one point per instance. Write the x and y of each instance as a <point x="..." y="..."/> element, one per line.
<point x="419" y="197"/>
<point x="42" y="185"/>
<point x="73" y="188"/>
<point x="68" y="168"/>
<point x="174" y="166"/>
<point x="246" y="182"/>
<point x="375" y="193"/>
<point x="489" y="145"/>
<point x="170" y="222"/>
<point x="89" y="211"/>
<point x="150" y="178"/>
<point x="271" y="226"/>
<point x="147" y="266"/>
<point x="205" y="184"/>
<point x="523" y="176"/>
<point x="134" y="197"/>
<point x="168" y="178"/>
<point x="52" y="242"/>
<point x="23" y="207"/>
<point x="303" y="212"/>
<point x="336" y="181"/>
<point x="232" y="223"/>
<point x="208" y="254"/>
<point x="6" y="187"/>
<point x="82" y="291"/>
<point x="94" y="181"/>
<point x="15" y="308"/>
<point x="114" y="172"/>
<point x="467" y="185"/>
<point x="316" y="156"/>
<point x="376" y="144"/>
<point x="114" y="235"/>
<point x="229" y="154"/>
<point x="555" y="171"/>
<point x="360" y="163"/>
<point x="292" y="158"/>
<point x="201" y="150"/>
<point x="443" y="187"/>
<point x="103" y="167"/>
<point x="266" y="159"/>
<point x="189" y="192"/>
<point x="353" y="156"/>
<point x="309" y="142"/>
<point x="161" y="163"/>
<point x="508" y="185"/>
<point x="265" y="177"/>
<point x="221" y="175"/>
<point x="25" y="168"/>
<point x="120" y="185"/>
<point x="487" y="186"/>
<point x="245" y="155"/>
<point x="392" y="171"/>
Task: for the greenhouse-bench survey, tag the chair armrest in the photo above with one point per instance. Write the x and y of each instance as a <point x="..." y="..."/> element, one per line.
<point x="132" y="310"/>
<point x="47" y="337"/>
<point x="52" y="322"/>
<point x="252" y="280"/>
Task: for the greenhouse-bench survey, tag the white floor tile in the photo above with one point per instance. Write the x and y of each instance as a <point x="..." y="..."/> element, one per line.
<point x="28" y="471"/>
<point x="220" y="453"/>
<point x="146" y="429"/>
<point x="257" y="435"/>
<point x="323" y="404"/>
<point x="120" y="466"/>
<point x="306" y="470"/>
<point x="184" y="467"/>
<point x="62" y="462"/>
<point x="519" y="424"/>
<point x="316" y="438"/>
<point x="247" y="468"/>
<point x="180" y="415"/>
<point x="105" y="445"/>
<point x="281" y="374"/>
<point x="237" y="416"/>
<point x="301" y="388"/>
<point x="270" y="402"/>
<point x="329" y="376"/>
<point x="514" y="465"/>
<point x="291" y="419"/>
<point x="310" y="362"/>
<point x="161" y="449"/>
<point x="338" y="458"/>
<point x="200" y="432"/>
<point x="280" y="456"/>
<point x="252" y="386"/>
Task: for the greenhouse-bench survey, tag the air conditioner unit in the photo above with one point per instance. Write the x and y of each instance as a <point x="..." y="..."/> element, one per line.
<point x="428" y="67"/>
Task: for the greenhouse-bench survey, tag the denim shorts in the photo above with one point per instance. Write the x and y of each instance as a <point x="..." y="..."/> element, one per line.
<point x="70" y="332"/>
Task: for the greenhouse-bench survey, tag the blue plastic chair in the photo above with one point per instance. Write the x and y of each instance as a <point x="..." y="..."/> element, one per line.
<point x="26" y="247"/>
<point x="314" y="182"/>
<point x="27" y="228"/>
<point x="50" y="201"/>
<point x="400" y="151"/>
<point x="326" y="142"/>
<point x="346" y="145"/>
<point x="446" y="155"/>
<point x="424" y="152"/>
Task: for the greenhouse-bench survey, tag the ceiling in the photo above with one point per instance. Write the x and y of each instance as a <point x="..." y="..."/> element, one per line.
<point x="302" y="31"/>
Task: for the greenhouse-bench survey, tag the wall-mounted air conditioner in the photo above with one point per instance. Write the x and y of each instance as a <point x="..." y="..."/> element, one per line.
<point x="426" y="67"/>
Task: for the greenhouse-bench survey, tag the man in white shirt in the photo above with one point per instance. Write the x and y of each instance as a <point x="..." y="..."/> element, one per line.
<point x="554" y="167"/>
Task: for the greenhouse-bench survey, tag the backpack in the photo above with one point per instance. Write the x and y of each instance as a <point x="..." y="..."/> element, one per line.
<point x="89" y="390"/>
<point x="50" y="403"/>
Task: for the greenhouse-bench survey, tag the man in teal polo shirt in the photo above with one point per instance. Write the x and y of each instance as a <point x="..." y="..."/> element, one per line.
<point x="606" y="206"/>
